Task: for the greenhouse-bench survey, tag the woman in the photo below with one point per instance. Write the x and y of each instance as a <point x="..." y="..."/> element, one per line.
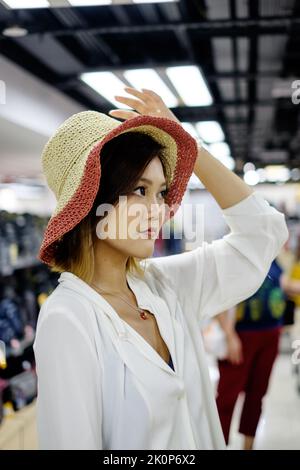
<point x="118" y="348"/>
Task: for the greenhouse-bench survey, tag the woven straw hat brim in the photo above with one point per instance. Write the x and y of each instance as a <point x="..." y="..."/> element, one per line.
<point x="81" y="184"/>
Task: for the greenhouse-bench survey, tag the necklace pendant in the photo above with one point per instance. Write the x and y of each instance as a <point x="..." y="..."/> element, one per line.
<point x="143" y="315"/>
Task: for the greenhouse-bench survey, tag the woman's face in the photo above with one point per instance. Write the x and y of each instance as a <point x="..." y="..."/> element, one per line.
<point x="126" y="227"/>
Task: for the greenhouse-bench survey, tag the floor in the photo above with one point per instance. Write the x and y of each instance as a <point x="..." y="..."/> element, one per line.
<point x="18" y="430"/>
<point x="279" y="426"/>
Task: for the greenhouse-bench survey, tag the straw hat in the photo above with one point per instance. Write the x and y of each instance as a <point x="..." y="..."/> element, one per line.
<point x="72" y="166"/>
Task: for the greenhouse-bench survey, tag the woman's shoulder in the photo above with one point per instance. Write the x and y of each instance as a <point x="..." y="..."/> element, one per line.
<point x="65" y="307"/>
<point x="152" y="275"/>
<point x="64" y="326"/>
<point x="62" y="300"/>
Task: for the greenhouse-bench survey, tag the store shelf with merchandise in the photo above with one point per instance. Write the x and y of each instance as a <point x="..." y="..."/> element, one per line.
<point x="25" y="283"/>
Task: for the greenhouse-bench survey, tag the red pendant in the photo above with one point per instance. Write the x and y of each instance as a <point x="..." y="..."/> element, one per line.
<point x="143" y="316"/>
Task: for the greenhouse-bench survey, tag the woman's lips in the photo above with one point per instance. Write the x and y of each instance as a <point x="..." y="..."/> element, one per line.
<point x="150" y="231"/>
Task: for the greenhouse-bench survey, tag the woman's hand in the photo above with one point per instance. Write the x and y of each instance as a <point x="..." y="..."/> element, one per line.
<point x="234" y="349"/>
<point x="148" y="103"/>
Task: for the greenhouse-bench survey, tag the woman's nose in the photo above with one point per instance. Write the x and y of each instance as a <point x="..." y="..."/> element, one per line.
<point x="153" y="207"/>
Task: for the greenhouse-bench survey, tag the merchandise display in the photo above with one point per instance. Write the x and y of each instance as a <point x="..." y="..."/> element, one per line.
<point x="24" y="285"/>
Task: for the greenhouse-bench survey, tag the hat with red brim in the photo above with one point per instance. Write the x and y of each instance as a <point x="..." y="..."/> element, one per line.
<point x="72" y="166"/>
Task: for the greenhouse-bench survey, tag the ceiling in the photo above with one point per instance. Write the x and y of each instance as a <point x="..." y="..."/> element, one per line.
<point x="20" y="156"/>
<point x="248" y="51"/>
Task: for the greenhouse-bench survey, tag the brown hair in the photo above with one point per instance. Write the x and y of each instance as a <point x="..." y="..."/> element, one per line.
<point x="123" y="160"/>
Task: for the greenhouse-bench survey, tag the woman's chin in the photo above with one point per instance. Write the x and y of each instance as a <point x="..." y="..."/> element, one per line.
<point x="145" y="248"/>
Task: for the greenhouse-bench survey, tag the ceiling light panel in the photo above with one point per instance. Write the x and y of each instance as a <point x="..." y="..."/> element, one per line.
<point x="149" y="78"/>
<point x="107" y="84"/>
<point x="190" y="85"/>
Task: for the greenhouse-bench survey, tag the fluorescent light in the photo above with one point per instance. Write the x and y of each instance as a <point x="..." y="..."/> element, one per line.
<point x="190" y="129"/>
<point x="106" y="84"/>
<point x="86" y="3"/>
<point x="15" y="32"/>
<point x="262" y="175"/>
<point x="248" y="166"/>
<point x="277" y="173"/>
<point x="251" y="177"/>
<point x="154" y="1"/>
<point x="116" y="2"/>
<point x="295" y="174"/>
<point x="8" y="200"/>
<point x="190" y="84"/>
<point x="149" y="78"/>
<point x="210" y="131"/>
<point x="219" y="150"/>
<point x="19" y="4"/>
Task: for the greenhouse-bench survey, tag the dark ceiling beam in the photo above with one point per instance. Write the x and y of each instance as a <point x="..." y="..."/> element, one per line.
<point x="252" y="89"/>
<point x="237" y="90"/>
<point x="240" y="27"/>
<point x="72" y="18"/>
<point x="189" y="112"/>
<point x="245" y="75"/>
<point x="236" y="82"/>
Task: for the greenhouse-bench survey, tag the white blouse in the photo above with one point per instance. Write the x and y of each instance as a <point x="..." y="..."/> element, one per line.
<point x="100" y="383"/>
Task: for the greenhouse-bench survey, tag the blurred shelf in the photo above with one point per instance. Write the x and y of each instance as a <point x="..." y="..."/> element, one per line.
<point x="22" y="263"/>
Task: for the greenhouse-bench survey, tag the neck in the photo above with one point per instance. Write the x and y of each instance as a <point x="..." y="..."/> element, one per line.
<point x="110" y="269"/>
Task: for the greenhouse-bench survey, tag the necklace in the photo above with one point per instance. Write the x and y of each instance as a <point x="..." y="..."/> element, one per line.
<point x="143" y="314"/>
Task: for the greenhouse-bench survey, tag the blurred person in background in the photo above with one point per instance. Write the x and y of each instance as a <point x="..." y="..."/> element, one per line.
<point x="252" y="336"/>
<point x="291" y="278"/>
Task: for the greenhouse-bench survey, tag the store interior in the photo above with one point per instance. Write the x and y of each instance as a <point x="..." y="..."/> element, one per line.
<point x="229" y="72"/>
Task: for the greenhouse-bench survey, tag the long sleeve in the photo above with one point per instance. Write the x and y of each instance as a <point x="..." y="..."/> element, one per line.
<point x="216" y="276"/>
<point x="69" y="401"/>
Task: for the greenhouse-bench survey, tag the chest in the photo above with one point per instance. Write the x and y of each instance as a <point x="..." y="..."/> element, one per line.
<point x="148" y="329"/>
<point x="139" y="390"/>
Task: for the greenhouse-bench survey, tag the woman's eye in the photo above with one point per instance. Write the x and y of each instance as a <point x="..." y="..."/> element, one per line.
<point x="141" y="189"/>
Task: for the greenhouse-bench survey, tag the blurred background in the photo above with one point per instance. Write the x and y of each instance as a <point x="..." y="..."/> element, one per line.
<point x="229" y="70"/>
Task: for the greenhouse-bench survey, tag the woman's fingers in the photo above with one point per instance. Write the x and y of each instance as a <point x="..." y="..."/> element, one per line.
<point x="150" y="94"/>
<point x="151" y="99"/>
<point x="139" y="94"/>
<point x="119" y="113"/>
<point x="135" y="104"/>
<point x="148" y="104"/>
